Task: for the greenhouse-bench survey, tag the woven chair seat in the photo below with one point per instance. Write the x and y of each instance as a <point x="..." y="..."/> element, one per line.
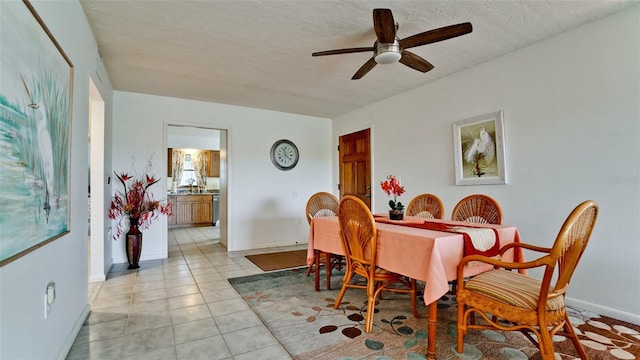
<point x="512" y="288"/>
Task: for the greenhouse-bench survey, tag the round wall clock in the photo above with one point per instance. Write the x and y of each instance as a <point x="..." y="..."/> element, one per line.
<point x="284" y="154"/>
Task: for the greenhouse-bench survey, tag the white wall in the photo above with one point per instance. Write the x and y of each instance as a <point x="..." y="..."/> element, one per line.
<point x="265" y="205"/>
<point x="572" y="128"/>
<point x="24" y="333"/>
<point x="193" y="138"/>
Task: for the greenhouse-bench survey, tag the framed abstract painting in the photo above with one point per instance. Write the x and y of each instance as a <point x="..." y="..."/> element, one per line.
<point x="479" y="150"/>
<point x="36" y="88"/>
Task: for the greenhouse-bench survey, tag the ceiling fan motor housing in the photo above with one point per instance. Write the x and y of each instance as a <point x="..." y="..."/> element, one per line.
<point x="387" y="53"/>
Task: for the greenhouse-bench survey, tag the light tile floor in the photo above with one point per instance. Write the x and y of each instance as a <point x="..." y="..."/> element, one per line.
<point x="181" y="307"/>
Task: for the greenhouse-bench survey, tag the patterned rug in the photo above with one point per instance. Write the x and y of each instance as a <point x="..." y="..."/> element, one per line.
<point x="306" y="324"/>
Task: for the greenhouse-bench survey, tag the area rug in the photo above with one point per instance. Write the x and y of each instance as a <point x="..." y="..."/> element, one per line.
<point x="308" y="327"/>
<point x="279" y="260"/>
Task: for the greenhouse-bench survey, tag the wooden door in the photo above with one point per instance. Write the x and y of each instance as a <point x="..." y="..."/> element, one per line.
<point x="354" y="152"/>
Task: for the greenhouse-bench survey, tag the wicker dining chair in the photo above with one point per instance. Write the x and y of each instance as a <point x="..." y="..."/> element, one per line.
<point x="323" y="204"/>
<point x="359" y="241"/>
<point x="426" y="206"/>
<point x="525" y="303"/>
<point x="478" y="208"/>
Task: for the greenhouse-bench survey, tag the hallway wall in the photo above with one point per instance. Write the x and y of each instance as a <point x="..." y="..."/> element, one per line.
<point x="24" y="333"/>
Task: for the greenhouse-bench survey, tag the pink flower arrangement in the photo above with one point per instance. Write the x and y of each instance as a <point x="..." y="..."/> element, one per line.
<point x="391" y="186"/>
<point x="136" y="202"/>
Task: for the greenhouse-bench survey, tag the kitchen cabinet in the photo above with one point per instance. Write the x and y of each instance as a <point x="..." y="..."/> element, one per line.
<point x="193" y="210"/>
<point x="172" y="200"/>
<point x="213" y="165"/>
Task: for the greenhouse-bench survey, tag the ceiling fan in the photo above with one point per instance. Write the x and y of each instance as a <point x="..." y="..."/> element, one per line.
<point x="388" y="49"/>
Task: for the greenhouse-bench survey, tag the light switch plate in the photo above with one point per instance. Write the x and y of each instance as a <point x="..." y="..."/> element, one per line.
<point x="51" y="292"/>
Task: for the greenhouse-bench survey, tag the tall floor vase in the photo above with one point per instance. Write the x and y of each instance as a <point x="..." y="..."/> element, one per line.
<point x="133" y="244"/>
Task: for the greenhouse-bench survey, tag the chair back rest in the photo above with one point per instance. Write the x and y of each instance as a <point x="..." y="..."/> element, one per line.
<point x="478" y="208"/>
<point x="571" y="243"/>
<point x="358" y="231"/>
<point x="321" y="204"/>
<point x="426" y="206"/>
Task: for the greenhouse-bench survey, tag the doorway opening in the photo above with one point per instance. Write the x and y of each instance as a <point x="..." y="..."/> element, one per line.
<point x="187" y="144"/>
<point x="96" y="191"/>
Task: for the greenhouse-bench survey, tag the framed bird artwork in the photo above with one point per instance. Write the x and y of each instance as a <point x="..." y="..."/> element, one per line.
<point x="35" y="120"/>
<point x="479" y="149"/>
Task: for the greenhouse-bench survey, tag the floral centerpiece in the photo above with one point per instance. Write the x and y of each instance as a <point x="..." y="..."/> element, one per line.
<point x="391" y="186"/>
<point x="136" y="202"/>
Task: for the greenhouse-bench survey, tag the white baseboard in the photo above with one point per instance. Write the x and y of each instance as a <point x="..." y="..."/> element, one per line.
<point x="74" y="334"/>
<point x="603" y="310"/>
<point x="97" y="278"/>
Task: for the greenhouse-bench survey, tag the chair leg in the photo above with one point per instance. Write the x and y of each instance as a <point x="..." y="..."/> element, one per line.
<point x="327" y="268"/>
<point x="347" y="279"/>
<point x="310" y="267"/>
<point x="338" y="260"/>
<point x="546" y="344"/>
<point x="316" y="274"/>
<point x="462" y="327"/>
<point x="371" y="303"/>
<point x="568" y="328"/>
<point x="413" y="295"/>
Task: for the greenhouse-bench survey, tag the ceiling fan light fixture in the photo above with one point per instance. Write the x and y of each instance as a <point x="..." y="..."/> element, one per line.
<point x="387" y="53"/>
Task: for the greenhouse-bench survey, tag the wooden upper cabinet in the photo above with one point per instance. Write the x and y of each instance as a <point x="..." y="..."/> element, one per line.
<point x="213" y="165"/>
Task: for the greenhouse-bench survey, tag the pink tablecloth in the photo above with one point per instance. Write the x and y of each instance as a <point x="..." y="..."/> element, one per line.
<point x="427" y="255"/>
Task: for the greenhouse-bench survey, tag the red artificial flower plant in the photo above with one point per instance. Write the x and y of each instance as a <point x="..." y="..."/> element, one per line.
<point x="391" y="186"/>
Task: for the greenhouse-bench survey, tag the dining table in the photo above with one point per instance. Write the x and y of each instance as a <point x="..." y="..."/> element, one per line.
<point x="424" y="254"/>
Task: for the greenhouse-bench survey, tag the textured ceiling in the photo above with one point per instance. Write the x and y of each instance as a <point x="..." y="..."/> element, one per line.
<point x="258" y="53"/>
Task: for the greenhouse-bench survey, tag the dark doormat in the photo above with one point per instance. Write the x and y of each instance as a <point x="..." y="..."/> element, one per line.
<point x="279" y="260"/>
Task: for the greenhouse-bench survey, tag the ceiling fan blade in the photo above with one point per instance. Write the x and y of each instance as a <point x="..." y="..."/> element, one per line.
<point x="436" y="35"/>
<point x="343" y="51"/>
<point x="364" y="69"/>
<point x="384" y="25"/>
<point x="415" y="62"/>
